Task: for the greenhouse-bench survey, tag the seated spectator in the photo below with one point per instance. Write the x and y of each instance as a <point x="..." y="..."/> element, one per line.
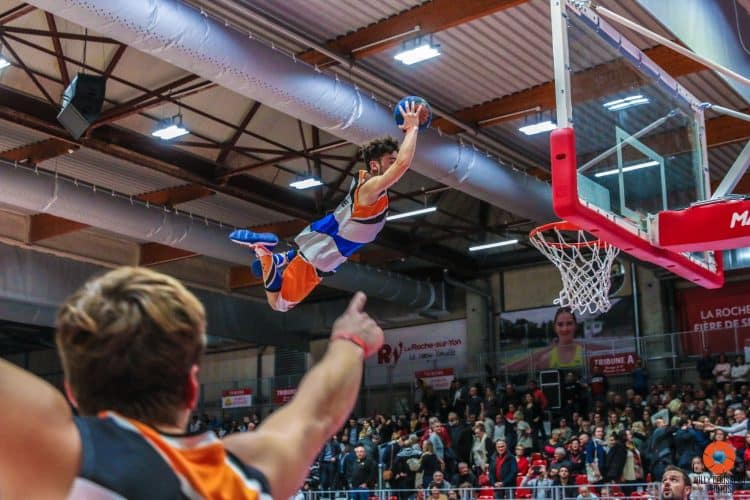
<point x="553" y="442"/>
<point x="438" y="479"/>
<point x="436" y="493"/>
<point x="560" y="458"/>
<point x="584" y="493"/>
<point x="566" y="487"/>
<point x="464" y="478"/>
<point x="564" y="429"/>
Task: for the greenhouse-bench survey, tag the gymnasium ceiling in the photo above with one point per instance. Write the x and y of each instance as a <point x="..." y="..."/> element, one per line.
<point x="496" y="60"/>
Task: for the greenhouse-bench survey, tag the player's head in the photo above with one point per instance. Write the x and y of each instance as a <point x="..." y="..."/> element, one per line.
<point x="379" y="154"/>
<point x="675" y="483"/>
<point x="565" y="323"/>
<point x="131" y="341"/>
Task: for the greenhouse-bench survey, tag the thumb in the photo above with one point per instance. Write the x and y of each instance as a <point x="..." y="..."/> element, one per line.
<point x="357" y="304"/>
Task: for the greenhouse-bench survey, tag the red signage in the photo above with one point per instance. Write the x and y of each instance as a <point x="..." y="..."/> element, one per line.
<point x="619" y="363"/>
<point x="281" y="396"/>
<point x="439" y="379"/>
<point x="237" y="398"/>
<point x="719" y="319"/>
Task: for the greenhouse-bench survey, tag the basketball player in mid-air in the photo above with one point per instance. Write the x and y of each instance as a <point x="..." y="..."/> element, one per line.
<point x="327" y="243"/>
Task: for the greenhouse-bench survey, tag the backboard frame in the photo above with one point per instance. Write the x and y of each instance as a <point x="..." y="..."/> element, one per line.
<point x="568" y="205"/>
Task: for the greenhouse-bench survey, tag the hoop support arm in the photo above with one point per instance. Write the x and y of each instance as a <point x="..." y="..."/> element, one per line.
<point x="568" y="206"/>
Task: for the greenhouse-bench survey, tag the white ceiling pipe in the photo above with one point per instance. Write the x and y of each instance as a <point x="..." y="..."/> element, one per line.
<point x="45" y="193"/>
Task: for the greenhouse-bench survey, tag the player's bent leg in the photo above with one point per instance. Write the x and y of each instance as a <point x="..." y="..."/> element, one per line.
<point x="299" y="279"/>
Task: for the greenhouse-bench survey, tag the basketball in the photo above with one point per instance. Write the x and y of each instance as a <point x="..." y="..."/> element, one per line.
<point x="425" y="116"/>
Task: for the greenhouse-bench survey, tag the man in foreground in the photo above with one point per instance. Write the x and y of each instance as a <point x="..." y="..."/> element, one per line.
<point x="675" y="483"/>
<point x="131" y="342"/>
<point x="328" y="242"/>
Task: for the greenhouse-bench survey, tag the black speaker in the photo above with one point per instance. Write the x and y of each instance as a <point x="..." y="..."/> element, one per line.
<point x="81" y="103"/>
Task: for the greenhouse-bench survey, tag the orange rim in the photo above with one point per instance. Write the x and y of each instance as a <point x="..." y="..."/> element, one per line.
<point x="564" y="225"/>
<point x="719" y="457"/>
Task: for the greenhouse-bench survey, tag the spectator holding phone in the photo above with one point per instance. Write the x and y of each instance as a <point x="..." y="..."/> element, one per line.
<point x="538" y="481"/>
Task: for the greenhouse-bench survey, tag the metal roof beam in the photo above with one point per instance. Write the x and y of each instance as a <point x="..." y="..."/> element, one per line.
<point x="431" y="17"/>
<point x="542" y="97"/>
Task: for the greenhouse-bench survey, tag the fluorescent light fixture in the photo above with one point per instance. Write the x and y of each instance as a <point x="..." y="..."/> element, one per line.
<point x="493" y="245"/>
<point x="308" y="183"/>
<point x="170" y="128"/>
<point x="4" y="63"/>
<point x="538" y="128"/>
<point x="629" y="168"/>
<point x="417" y="54"/>
<point x="411" y="214"/>
<point x="626" y="102"/>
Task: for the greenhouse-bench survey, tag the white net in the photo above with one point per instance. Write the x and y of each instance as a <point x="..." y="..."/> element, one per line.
<point x="585" y="266"/>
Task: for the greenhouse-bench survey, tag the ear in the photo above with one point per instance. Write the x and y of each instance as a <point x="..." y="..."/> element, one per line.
<point x="192" y="388"/>
<point x="69" y="394"/>
<point x="374" y="167"/>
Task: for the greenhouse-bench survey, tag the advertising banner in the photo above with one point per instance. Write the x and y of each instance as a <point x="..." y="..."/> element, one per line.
<point x="283" y="395"/>
<point x="439" y="379"/>
<point x="720" y="319"/>
<point x="615" y="364"/>
<point x="237" y="398"/>
<point x="417" y="348"/>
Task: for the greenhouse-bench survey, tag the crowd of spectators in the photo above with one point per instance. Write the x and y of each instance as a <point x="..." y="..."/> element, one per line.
<point x="507" y="440"/>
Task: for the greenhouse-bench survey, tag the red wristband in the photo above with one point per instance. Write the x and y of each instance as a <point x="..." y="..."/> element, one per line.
<point x="353" y="338"/>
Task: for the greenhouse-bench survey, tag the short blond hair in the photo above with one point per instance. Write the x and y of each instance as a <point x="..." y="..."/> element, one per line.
<point x="128" y="340"/>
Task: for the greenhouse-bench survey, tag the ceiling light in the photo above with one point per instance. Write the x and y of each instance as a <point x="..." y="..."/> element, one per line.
<point x="493" y="245"/>
<point x="4" y="63"/>
<point x="538" y="128"/>
<point x="626" y="102"/>
<point x="417" y="54"/>
<point x="411" y="214"/>
<point x="170" y="128"/>
<point x="308" y="183"/>
<point x="629" y="168"/>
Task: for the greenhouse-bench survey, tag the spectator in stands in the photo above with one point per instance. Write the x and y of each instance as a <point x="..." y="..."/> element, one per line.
<point x="438" y="479"/>
<point x="584" y="493"/>
<point x="510" y="397"/>
<point x="361" y="474"/>
<point x="617" y="455"/>
<point x="614" y="426"/>
<point x="522" y="461"/>
<point x="738" y="372"/>
<point x="685" y="443"/>
<point x="491" y="403"/>
<point x="464" y="478"/>
<point x="737" y="431"/>
<point x="436" y="493"/>
<point x="596" y="461"/>
<point x="722" y="371"/>
<point x="538" y="481"/>
<point x="564" y="429"/>
<point x="565" y="485"/>
<point x="327" y="458"/>
<point x="659" y="448"/>
<point x="576" y="457"/>
<point x="502" y="471"/>
<point x="705" y="368"/>
<point x="524" y="434"/>
<point x="532" y="413"/>
<point x="559" y="459"/>
<point x="481" y="450"/>
<point x="428" y="463"/>
<point x="675" y="484"/>
<point x="573" y="395"/>
<point x="475" y="403"/>
<point x="699" y="480"/>
<point x="554" y="442"/>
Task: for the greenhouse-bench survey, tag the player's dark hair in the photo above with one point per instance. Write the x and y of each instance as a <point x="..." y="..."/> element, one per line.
<point x="374" y="150"/>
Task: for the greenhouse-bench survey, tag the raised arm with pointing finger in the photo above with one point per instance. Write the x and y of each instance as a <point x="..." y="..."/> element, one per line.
<point x="131" y="342"/>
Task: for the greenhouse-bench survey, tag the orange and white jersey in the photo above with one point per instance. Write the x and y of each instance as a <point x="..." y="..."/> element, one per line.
<point x="125" y="459"/>
<point x="328" y="242"/>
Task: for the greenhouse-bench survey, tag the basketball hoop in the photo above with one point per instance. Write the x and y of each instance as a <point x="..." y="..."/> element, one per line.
<point x="585" y="265"/>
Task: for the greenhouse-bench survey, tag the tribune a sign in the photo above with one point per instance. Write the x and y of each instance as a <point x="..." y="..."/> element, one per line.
<point x="439" y="379"/>
<point x="620" y="363"/>
<point x="237" y="398"/>
<point x="283" y="395"/>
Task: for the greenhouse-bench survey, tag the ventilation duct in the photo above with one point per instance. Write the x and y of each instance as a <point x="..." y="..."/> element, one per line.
<point x="45" y="193"/>
<point x="176" y="33"/>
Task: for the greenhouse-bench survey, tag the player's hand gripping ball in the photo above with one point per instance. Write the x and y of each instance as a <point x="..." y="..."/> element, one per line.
<point x="425" y="114"/>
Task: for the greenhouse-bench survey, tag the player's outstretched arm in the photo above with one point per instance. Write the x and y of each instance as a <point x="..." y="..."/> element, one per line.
<point x="41" y="449"/>
<point x="287" y="442"/>
<point x="371" y="189"/>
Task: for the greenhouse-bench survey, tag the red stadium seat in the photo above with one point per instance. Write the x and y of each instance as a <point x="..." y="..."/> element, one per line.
<point x="522" y="492"/>
<point x="582" y="479"/>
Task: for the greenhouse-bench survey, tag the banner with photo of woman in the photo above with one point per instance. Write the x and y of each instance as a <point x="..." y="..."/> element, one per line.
<point x="532" y="340"/>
